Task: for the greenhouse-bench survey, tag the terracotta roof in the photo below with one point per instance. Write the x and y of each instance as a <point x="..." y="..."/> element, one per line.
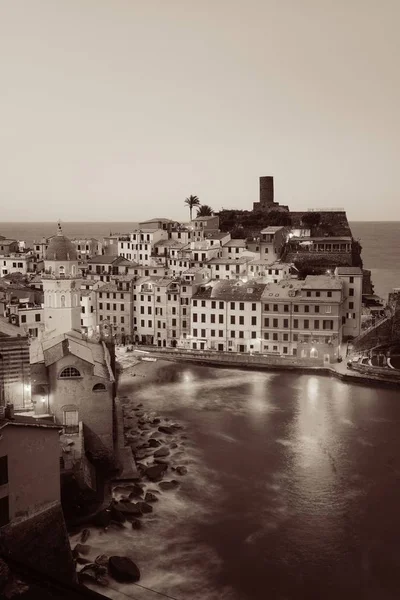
<point x="349" y="271"/>
<point x="322" y="282"/>
<point x="235" y="244"/>
<point x="230" y="290"/>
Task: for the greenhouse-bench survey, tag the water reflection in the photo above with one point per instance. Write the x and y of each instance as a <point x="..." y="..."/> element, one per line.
<point x="304" y="473"/>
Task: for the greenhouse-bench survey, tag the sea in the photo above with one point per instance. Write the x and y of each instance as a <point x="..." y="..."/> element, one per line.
<point x="380" y="242"/>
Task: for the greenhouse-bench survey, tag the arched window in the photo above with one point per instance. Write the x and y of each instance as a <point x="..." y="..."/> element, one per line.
<point x="62" y="301"/>
<point x="99" y="387"/>
<point x="69" y="373"/>
<point x="61" y="271"/>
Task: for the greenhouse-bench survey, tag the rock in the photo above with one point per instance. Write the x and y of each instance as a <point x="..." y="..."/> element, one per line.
<point x="95" y="568"/>
<point x="141" y="454"/>
<point x="135" y="491"/>
<point x="145" y="507"/>
<point x="82" y="549"/>
<point x="94" y="572"/>
<point x="102" y="519"/>
<point x="169" y="485"/>
<point x="102" y="580"/>
<point x="125" y="499"/>
<point x="161" y="461"/>
<point x="149" y="497"/>
<point x="164" y="451"/>
<point x="85" y="535"/>
<point x="153" y="443"/>
<point x="131" y="487"/>
<point x="181" y="470"/>
<point x="123" y="569"/>
<point x="155" y="472"/>
<point x="166" y="429"/>
<point x="156" y="421"/>
<point x="117" y="515"/>
<point x="153" y="491"/>
<point x="129" y="509"/>
<point x="156" y="434"/>
<point x="184" y="437"/>
<point x="173" y="446"/>
<point x="136" y="524"/>
<point x="102" y="560"/>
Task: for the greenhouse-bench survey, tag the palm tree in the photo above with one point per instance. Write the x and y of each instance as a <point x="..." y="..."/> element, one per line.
<point x="205" y="211"/>
<point x="191" y="202"/>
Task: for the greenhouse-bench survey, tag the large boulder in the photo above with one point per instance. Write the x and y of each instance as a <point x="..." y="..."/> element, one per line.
<point x="153" y="443"/>
<point x="129" y="509"/>
<point x="145" y="507"/>
<point x="116" y="515"/>
<point x="155" y="472"/>
<point x="123" y="569"/>
<point x="181" y="470"/>
<point x="85" y="535"/>
<point x="102" y="560"/>
<point x="166" y="429"/>
<point x="150" y="497"/>
<point x="102" y="519"/>
<point x="164" y="451"/>
<point x="169" y="485"/>
<point x="136" y="524"/>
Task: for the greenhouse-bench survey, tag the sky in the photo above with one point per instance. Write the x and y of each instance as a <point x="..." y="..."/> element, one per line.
<point x="120" y="109"/>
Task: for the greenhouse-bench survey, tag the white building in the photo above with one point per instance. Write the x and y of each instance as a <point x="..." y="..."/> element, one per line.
<point x="139" y="245"/>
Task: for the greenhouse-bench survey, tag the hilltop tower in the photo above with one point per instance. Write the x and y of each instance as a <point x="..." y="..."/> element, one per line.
<point x="267" y="202"/>
<point x="61" y="287"/>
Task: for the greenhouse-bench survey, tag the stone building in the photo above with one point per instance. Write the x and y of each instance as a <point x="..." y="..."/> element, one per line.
<point x="15" y="372"/>
<point x="267" y="202"/>
<point x="32" y="527"/>
<point x="352" y="278"/>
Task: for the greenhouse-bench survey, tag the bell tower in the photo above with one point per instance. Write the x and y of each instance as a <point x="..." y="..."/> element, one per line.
<point x="61" y="287"/>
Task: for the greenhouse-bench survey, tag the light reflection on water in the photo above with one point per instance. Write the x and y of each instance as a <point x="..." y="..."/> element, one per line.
<point x="289" y="472"/>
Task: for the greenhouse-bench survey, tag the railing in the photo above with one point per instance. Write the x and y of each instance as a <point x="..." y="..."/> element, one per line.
<point x="372" y="327"/>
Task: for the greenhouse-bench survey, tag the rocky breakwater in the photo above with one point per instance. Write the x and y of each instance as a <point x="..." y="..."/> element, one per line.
<point x="158" y="446"/>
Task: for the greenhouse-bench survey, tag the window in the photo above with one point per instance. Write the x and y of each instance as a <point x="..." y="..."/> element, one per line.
<point x="275" y="308"/>
<point x="253" y="334"/>
<point x="203" y="302"/>
<point x="203" y="318"/>
<point x="241" y="320"/>
<point x="173" y="322"/>
<point x="274" y="322"/>
<point x="275" y="337"/>
<point x="306" y="308"/>
<point x="266" y="336"/>
<point x="254" y="320"/>
<point x="37" y="318"/>
<point x="254" y="306"/>
<point x="351" y="291"/>
<point x="266" y="322"/>
<point x="203" y="333"/>
<point x="221" y="305"/>
<point x="212" y="318"/>
<point x="296" y="308"/>
<point x="316" y="309"/>
<point x="23" y="318"/>
<point x="122" y="319"/>
<point x="286" y="308"/>
<point x="213" y="304"/>
<point x="351" y="279"/>
<point x="295" y="337"/>
<point x="328" y="309"/>
<point x="232" y="306"/>
<point x="306" y="324"/>
<point x="351" y="304"/>
<point x="194" y="302"/>
<point x="318" y="294"/>
<point x="232" y="334"/>
<point x="220" y="333"/>
<point x="194" y="317"/>
<point x="108" y="306"/>
<point x="69" y="373"/>
<point x="316" y="324"/>
<point x="100" y="305"/>
<point x="285" y="323"/>
<point x="241" y="305"/>
<point x="232" y="319"/>
<point x="285" y="337"/>
<point x="99" y="387"/>
<point x="241" y="334"/>
<point x="122" y="306"/>
<point x="114" y="307"/>
<point x="71" y="420"/>
<point x="266" y="307"/>
<point x="220" y="318"/>
<point x="195" y="332"/>
<point x="329" y="294"/>
<point x="308" y="294"/>
<point x="3" y="470"/>
<point x="285" y="350"/>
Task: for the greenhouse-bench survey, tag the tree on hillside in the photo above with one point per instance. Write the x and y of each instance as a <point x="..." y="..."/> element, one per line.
<point x="191" y="202"/>
<point x="205" y="211"/>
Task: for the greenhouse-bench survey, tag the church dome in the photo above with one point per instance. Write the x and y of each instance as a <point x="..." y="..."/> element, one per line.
<point x="61" y="248"/>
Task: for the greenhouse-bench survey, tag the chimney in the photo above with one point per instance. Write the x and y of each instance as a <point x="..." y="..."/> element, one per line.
<point x="266" y="190"/>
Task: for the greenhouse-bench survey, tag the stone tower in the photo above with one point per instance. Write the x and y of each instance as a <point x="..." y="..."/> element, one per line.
<point x="61" y="287"/>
